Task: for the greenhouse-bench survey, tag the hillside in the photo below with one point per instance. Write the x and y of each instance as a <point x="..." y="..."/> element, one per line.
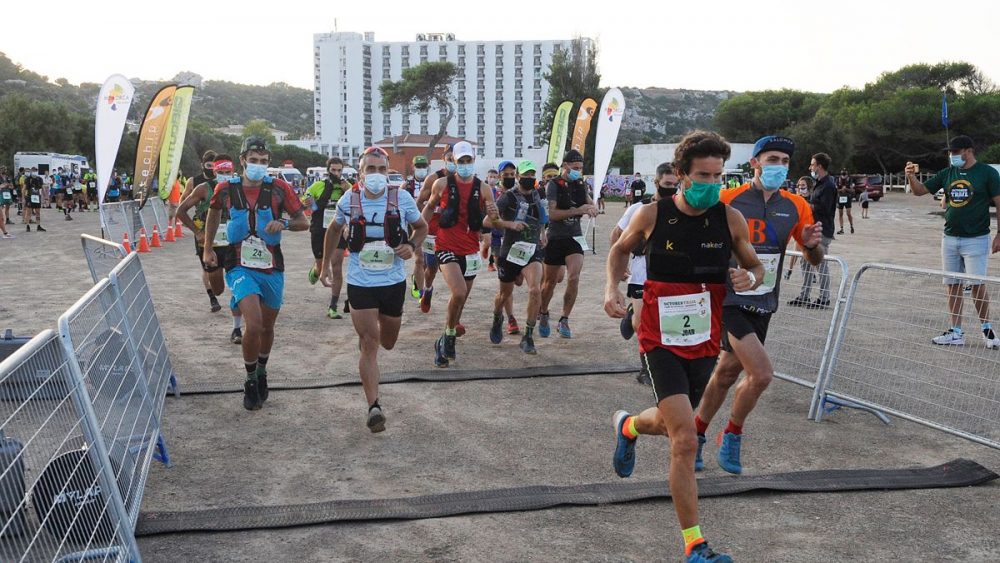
<point x="660" y="115"/>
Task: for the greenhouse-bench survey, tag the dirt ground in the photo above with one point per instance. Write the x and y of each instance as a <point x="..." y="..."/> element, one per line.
<point x="312" y="445"/>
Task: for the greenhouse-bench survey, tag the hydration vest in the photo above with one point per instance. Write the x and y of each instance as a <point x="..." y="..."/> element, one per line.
<point x="392" y="222"/>
<point x="240" y="227"/>
<point x="565" y="194"/>
<point x="689" y="249"/>
<point x="449" y="216"/>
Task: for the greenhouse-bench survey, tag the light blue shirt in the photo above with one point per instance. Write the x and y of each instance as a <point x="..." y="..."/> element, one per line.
<point x="374" y="212"/>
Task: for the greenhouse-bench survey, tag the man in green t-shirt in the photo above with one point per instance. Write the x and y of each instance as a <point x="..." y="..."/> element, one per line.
<point x="969" y="187"/>
<point x="322" y="197"/>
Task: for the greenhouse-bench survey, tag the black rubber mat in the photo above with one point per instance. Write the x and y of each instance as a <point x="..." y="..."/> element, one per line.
<point x="957" y="473"/>
<point x="436" y="375"/>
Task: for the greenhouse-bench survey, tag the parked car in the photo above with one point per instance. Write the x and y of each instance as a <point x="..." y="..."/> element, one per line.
<point x="396" y="180"/>
<point x="872" y="183"/>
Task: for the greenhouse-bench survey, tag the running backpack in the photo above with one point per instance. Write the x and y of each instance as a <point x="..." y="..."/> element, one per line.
<point x="392" y="223"/>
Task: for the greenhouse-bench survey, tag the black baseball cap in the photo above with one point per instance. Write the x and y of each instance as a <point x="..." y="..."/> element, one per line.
<point x="254" y="143"/>
<point x="573" y="155"/>
<point x="960" y="142"/>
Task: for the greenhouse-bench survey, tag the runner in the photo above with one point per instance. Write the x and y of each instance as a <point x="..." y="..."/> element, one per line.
<point x="90" y="181"/>
<point x="376" y="274"/>
<point x="216" y="170"/>
<point x="774" y="216"/>
<point x="7" y="196"/>
<point x="508" y="179"/>
<point x="845" y="194"/>
<point x="322" y="197"/>
<point x="255" y="265"/>
<point x="413" y="186"/>
<point x="461" y="200"/>
<point x="568" y="199"/>
<point x="430" y="260"/>
<point x="666" y="186"/>
<point x="522" y="215"/>
<point x="690" y="238"/>
<point x="32" y="194"/>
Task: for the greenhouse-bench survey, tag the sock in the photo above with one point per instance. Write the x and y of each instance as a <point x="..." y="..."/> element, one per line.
<point x="957" y="330"/>
<point x="987" y="325"/>
<point x="374" y="405"/>
<point x="512" y="319"/>
<point x="628" y="428"/>
<point x="238" y="322"/>
<point x="262" y="360"/>
<point x="528" y="329"/>
<point x="251" y="371"/>
<point x="692" y="539"/>
<point x="700" y="425"/>
<point x="731" y="428"/>
<point x="211" y="295"/>
<point x="561" y="319"/>
<point x="450" y="332"/>
<point x="333" y="302"/>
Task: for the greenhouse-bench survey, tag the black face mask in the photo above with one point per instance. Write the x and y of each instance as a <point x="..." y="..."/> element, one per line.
<point x="508" y="183"/>
<point x="334" y="178"/>
<point x="209" y="172"/>
<point x="527" y="183"/>
<point x="666" y="192"/>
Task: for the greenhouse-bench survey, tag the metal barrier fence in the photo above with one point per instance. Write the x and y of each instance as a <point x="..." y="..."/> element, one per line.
<point x="884" y="359"/>
<point x="102" y="255"/>
<point x="800" y="335"/>
<point x="160" y="214"/>
<point x="124" y="217"/>
<point x="148" y="218"/>
<point x="59" y="498"/>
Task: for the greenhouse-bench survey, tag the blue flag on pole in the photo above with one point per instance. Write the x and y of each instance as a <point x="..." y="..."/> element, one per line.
<point x="944" y="110"/>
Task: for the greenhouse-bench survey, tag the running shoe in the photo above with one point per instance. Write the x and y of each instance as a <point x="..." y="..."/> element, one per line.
<point x="643" y="377"/>
<point x="449" y="347"/>
<point x="69" y="217"/>
<point x="990" y="338"/>
<point x="251" y="398"/>
<point x="440" y="359"/>
<point x="214" y="302"/>
<point x="262" y="383"/>
<point x="313" y="276"/>
<point x="332" y="313"/>
<point x="799" y="302"/>
<point x="425" y="300"/>
<point x="8" y="235"/>
<point x="459" y="330"/>
<point x="414" y="290"/>
<point x="237" y="336"/>
<point x="527" y="345"/>
<point x="376" y="420"/>
<point x="840" y="232"/>
<point x="544" y="330"/>
<point x="819" y="304"/>
<point x="950" y="338"/>
<point x="729" y="452"/>
<point x="624" y="458"/>
<point x="491" y="268"/>
<point x="852" y="229"/>
<point x="40" y="229"/>
<point x="564" y="328"/>
<point x="699" y="462"/>
<point x="626" y="327"/>
<point x="28" y="227"/>
<point x="512" y="327"/>
<point x="496" y="331"/>
<point x="701" y="553"/>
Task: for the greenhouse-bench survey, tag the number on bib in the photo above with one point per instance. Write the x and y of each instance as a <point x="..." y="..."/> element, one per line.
<point x="473" y="264"/>
<point x="377" y="256"/>
<point x="582" y="241"/>
<point x="329" y="216"/>
<point x="254" y="254"/>
<point x="685" y="320"/>
<point x="521" y="253"/>
<point x="770" y="262"/>
<point x="843" y="199"/>
<point x="35" y="198"/>
<point x="221" y="236"/>
<point x="428" y="244"/>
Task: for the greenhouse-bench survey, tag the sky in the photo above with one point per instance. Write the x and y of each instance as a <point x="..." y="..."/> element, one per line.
<point x="720" y="45"/>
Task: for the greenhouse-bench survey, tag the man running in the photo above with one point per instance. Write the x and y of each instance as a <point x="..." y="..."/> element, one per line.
<point x="666" y="186"/>
<point x="322" y="197"/>
<point x="568" y="199"/>
<point x="690" y="239"/>
<point x="255" y="265"/>
<point x="522" y="216"/>
<point x="376" y="275"/>
<point x="414" y="186"/>
<point x="774" y="216"/>
<point x="430" y="260"/>
<point x="462" y="199"/>
<point x="216" y="170"/>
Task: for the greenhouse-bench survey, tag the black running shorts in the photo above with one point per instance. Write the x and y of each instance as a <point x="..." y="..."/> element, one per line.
<point x="557" y="250"/>
<point x="388" y="299"/>
<point x="674" y="375"/>
<point x="738" y="322"/>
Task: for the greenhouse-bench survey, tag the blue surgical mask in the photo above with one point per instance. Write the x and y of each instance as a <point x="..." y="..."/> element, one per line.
<point x="420" y="173"/>
<point x="376" y="183"/>
<point x="957" y="160"/>
<point x="466" y="170"/>
<point x="575" y="175"/>
<point x="450" y="167"/>
<point x="701" y="195"/>
<point x="773" y="175"/>
<point x="256" y="172"/>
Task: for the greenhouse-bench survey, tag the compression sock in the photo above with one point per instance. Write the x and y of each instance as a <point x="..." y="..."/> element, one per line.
<point x="692" y="539"/>
<point x="732" y="428"/>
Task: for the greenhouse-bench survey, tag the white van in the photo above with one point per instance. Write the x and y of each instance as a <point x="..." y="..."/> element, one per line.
<point x="288" y="174"/>
<point x="48" y="162"/>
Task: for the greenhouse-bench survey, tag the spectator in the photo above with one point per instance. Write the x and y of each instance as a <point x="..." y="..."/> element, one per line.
<point x="845" y="195"/>
<point x="824" y="202"/>
<point x="637" y="190"/>
<point x="864" y="198"/>
<point x="969" y="187"/>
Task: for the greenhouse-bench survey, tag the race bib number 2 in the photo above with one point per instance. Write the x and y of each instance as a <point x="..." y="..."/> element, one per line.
<point x="254" y="254"/>
<point x="685" y="320"/>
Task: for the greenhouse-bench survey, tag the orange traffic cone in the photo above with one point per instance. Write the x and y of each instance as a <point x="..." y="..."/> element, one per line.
<point x="170" y="235"/>
<point x="143" y="241"/>
<point x="178" y="231"/>
<point x="126" y="244"/>
<point x="156" y="238"/>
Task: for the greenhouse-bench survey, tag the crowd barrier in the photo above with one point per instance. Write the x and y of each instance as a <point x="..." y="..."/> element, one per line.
<point x="125" y="217"/>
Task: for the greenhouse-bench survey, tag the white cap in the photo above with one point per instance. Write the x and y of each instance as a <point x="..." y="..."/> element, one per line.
<point x="463" y="148"/>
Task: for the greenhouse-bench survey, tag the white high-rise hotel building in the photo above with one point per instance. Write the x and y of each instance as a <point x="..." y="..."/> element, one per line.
<point x="499" y="93"/>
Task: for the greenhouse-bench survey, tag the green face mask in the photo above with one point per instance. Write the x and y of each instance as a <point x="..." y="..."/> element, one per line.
<point x="702" y="196"/>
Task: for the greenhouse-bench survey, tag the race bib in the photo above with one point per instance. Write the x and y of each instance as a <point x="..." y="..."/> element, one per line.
<point x="329" y="216"/>
<point x="7" y="197"/>
<point x="254" y="254"/>
<point x="377" y="256"/>
<point x="521" y="253"/>
<point x="685" y="320"/>
<point x="221" y="236"/>
<point x="35" y="198"/>
<point x="428" y="244"/>
<point x="473" y="264"/>
<point x="843" y="199"/>
<point x="770" y="262"/>
<point x="92" y="185"/>
<point x="582" y="240"/>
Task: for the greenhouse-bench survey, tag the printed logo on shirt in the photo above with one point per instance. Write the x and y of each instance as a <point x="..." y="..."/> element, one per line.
<point x="959" y="193"/>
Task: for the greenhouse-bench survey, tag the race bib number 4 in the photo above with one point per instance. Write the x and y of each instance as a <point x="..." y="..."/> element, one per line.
<point x="221" y="236"/>
<point x="521" y="253"/>
<point x="428" y="244"/>
<point x="770" y="262"/>
<point x="582" y="241"/>
<point x="473" y="264"/>
<point x="329" y="216"/>
<point x="254" y="254"/>
<point x="685" y="320"/>
<point x="377" y="256"/>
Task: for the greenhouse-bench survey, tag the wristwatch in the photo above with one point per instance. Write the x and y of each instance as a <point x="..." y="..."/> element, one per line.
<point x="284" y="223"/>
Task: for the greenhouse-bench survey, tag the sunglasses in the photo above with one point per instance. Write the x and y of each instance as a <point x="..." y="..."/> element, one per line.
<point x="375" y="150"/>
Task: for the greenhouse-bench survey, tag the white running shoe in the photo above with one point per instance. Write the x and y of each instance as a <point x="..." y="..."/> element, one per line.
<point x="950" y="338"/>
<point x="991" y="340"/>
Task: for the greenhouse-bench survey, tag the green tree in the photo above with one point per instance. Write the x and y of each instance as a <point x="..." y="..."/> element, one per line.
<point x="261" y="128"/>
<point x="423" y="87"/>
<point x="747" y="117"/>
<point x="573" y="75"/>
